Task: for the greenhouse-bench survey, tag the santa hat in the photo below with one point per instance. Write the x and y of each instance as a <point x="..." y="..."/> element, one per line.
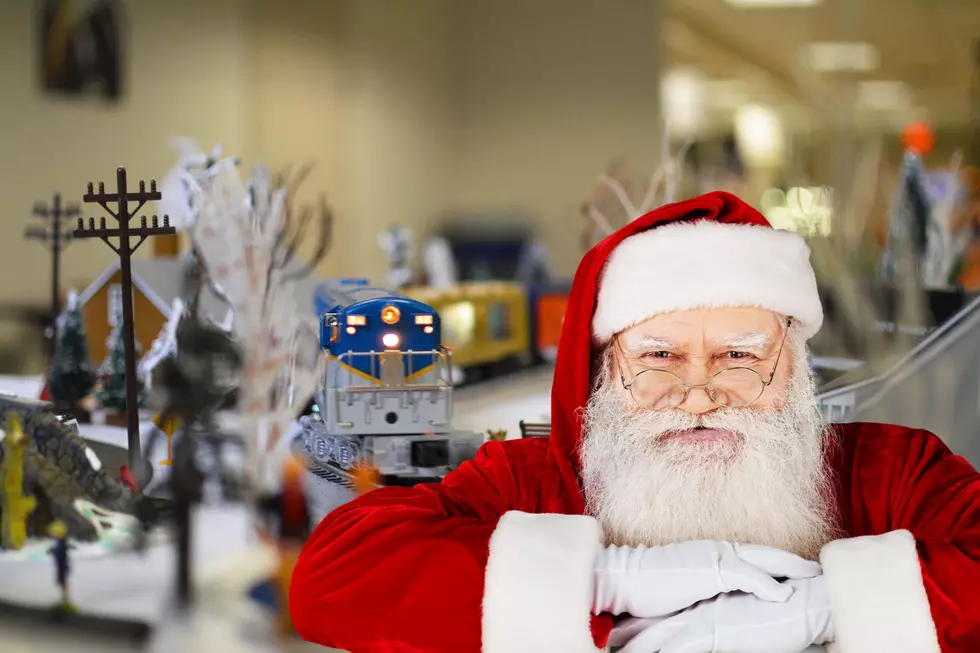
<point x="711" y="251"/>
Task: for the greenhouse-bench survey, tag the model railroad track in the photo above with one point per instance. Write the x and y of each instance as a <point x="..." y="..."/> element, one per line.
<point x="326" y="472"/>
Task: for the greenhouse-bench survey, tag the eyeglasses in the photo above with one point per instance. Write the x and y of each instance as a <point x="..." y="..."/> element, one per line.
<point x="732" y="387"/>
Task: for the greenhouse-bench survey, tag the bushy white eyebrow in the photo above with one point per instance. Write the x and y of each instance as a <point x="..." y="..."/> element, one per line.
<point x="746" y="341"/>
<point x="753" y="340"/>
<point x="648" y="343"/>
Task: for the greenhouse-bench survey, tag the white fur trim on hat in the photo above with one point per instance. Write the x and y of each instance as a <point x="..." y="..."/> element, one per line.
<point x="706" y="264"/>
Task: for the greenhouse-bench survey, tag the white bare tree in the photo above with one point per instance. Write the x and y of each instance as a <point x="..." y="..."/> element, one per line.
<point x="247" y="237"/>
<point x="177" y="200"/>
<point x="165" y="343"/>
<point x="613" y="185"/>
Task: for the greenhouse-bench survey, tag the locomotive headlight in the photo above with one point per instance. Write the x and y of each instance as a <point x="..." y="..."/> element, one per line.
<point x="390" y="314"/>
<point x="428" y="329"/>
<point x="390" y="340"/>
<point x="351" y="331"/>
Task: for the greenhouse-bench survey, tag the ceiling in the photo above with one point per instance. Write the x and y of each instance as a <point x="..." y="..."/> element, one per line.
<point x="759" y="55"/>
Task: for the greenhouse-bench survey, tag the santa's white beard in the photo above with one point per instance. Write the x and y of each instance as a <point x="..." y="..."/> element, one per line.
<point x="769" y="486"/>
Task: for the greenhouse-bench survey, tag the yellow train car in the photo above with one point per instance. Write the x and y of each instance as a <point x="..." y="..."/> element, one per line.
<point x="483" y="322"/>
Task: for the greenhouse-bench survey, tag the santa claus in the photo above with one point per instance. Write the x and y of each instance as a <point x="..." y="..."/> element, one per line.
<point x="689" y="498"/>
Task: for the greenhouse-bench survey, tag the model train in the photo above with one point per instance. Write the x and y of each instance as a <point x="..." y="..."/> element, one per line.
<point x="494" y="326"/>
<point x="385" y="400"/>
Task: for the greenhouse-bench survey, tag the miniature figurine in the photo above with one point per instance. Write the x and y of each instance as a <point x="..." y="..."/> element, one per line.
<point x="168" y="423"/>
<point x="496" y="436"/>
<point x="290" y="509"/>
<point x="59" y="533"/>
<point x="15" y="507"/>
<point x="365" y="478"/>
<point x="397" y="244"/>
<point x="128" y="479"/>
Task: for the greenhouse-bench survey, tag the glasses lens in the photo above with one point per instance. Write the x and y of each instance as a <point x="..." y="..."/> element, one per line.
<point x="738" y="386"/>
<point x="657" y="389"/>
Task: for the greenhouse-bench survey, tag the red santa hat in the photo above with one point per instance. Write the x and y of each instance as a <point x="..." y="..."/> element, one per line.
<point x="711" y="251"/>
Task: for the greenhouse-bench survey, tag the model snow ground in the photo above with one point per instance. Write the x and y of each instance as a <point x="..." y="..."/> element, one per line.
<point x="227" y="562"/>
<point x="227" y="557"/>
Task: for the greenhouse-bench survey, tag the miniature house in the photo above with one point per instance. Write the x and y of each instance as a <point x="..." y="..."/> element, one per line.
<point x="156" y="283"/>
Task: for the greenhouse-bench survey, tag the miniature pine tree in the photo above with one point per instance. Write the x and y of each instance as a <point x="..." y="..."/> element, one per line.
<point x="72" y="374"/>
<point x="112" y="394"/>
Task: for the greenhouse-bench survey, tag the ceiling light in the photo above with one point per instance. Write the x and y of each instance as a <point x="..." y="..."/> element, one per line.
<point x="759" y="133"/>
<point x="842" y="56"/>
<point x="772" y="4"/>
<point x="683" y="101"/>
<point x="884" y="95"/>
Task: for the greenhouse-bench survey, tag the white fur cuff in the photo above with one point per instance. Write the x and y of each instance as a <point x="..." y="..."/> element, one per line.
<point x="878" y="599"/>
<point x="538" y="584"/>
<point x="706" y="264"/>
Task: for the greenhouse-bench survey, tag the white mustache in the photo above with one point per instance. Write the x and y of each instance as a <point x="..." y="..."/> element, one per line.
<point x="657" y="424"/>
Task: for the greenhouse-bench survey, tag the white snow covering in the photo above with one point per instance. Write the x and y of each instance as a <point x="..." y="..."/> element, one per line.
<point x="93" y="459"/>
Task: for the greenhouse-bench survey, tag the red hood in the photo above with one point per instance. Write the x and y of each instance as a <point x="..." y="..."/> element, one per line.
<point x="573" y="369"/>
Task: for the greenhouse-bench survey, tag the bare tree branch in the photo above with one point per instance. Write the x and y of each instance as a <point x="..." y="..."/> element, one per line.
<point x="326" y="224"/>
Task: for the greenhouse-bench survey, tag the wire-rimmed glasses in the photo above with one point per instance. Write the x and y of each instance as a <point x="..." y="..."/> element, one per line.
<point x="732" y="387"/>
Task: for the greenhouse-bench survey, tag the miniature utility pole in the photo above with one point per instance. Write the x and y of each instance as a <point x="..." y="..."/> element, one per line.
<point x="58" y="239"/>
<point x="124" y="231"/>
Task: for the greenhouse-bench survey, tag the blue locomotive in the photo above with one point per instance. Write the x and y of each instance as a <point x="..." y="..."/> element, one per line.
<point x="386" y="395"/>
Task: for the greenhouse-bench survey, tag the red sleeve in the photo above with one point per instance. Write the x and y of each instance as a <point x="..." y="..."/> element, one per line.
<point x="910" y="582"/>
<point x="412" y="569"/>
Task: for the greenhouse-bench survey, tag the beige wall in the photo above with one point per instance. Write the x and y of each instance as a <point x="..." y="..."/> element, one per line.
<point x="412" y="109"/>
<point x="407" y="109"/>
<point x="185" y="75"/>
<point x="551" y="92"/>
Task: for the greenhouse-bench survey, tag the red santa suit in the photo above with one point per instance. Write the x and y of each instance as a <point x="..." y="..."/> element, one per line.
<point x="499" y="557"/>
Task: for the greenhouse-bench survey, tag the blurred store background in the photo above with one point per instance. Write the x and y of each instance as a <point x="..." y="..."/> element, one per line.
<point x="470" y="152"/>
<point x="434" y="114"/>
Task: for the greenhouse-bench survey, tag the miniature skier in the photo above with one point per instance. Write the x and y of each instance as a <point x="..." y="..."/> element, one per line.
<point x="59" y="533"/>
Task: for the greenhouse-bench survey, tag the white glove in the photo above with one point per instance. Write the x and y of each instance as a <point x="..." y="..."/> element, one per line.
<point x="738" y="623"/>
<point x="656" y="581"/>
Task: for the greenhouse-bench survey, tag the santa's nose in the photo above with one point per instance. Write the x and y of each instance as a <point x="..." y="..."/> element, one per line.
<point x="698" y="402"/>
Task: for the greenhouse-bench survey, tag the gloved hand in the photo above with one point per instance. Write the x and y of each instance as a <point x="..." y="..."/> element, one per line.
<point x="656" y="581"/>
<point x="738" y="623"/>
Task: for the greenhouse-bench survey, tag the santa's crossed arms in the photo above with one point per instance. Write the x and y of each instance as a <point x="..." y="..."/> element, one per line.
<point x="689" y="499"/>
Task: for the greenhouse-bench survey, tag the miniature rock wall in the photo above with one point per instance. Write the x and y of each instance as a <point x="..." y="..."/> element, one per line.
<point x="57" y="464"/>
